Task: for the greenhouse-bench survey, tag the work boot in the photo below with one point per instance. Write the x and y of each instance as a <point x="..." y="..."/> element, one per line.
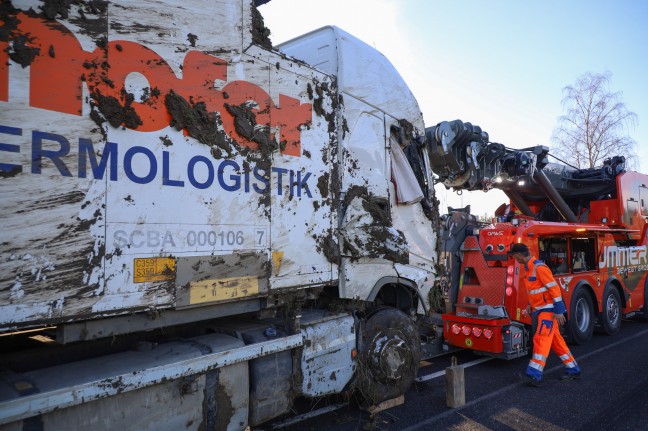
<point x="570" y="376"/>
<point x="532" y="381"/>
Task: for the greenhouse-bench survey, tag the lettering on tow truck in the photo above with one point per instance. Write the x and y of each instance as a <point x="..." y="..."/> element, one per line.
<point x="614" y="256"/>
<point x="495" y="233"/>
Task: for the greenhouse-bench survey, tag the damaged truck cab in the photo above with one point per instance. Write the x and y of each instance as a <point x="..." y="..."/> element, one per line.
<point x="387" y="236"/>
<point x="192" y="216"/>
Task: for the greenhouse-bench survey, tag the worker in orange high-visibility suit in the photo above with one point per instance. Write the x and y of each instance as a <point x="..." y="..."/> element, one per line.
<point x="547" y="306"/>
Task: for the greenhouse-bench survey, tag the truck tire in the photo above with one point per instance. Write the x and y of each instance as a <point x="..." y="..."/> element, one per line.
<point x="389" y="356"/>
<point x="611" y="312"/>
<point x="581" y="317"/>
<point x="644" y="310"/>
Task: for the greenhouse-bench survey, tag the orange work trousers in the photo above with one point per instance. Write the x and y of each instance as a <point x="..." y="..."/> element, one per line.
<point x="546" y="338"/>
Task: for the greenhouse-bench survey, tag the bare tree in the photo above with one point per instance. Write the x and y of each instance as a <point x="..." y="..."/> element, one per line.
<point x="595" y="124"/>
<point x="485" y="218"/>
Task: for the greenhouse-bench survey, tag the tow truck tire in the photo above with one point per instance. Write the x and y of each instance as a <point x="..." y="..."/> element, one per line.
<point x="644" y="310"/>
<point x="581" y="317"/>
<point x="611" y="312"/>
<point x="389" y="356"/>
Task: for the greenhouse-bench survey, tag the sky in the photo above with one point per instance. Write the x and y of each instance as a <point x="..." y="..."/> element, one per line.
<point x="500" y="64"/>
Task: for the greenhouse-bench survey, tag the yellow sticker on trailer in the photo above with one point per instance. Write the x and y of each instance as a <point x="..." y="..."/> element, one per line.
<point x="154" y="269"/>
<point x="222" y="289"/>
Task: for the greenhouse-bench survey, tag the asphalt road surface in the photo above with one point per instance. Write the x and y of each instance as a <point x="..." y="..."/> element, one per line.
<point x="612" y="394"/>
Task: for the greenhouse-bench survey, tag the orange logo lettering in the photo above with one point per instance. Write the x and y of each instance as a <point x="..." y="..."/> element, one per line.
<point x="59" y="66"/>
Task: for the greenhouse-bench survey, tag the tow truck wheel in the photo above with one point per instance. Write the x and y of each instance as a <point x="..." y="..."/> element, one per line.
<point x="389" y="356"/>
<point x="611" y="313"/>
<point x="644" y="310"/>
<point x="581" y="317"/>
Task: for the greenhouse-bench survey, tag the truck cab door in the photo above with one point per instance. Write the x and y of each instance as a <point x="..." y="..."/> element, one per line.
<point x="365" y="219"/>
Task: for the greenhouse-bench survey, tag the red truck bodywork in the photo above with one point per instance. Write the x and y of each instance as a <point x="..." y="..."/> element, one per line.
<point x="607" y="252"/>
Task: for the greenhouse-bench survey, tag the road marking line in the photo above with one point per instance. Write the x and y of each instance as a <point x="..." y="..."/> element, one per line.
<point x="471" y="403"/>
<point x="300" y="418"/>
<point x="441" y="373"/>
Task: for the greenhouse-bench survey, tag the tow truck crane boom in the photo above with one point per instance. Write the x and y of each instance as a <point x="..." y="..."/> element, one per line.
<point x="464" y="159"/>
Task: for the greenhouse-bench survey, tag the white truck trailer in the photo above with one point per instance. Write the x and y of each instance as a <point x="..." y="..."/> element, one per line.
<point x="198" y="228"/>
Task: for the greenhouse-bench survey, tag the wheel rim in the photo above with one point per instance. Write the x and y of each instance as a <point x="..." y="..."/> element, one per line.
<point x="582" y="315"/>
<point x="388" y="357"/>
<point x="612" y="309"/>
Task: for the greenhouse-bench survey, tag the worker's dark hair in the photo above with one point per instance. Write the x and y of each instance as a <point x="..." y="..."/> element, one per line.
<point x="521" y="249"/>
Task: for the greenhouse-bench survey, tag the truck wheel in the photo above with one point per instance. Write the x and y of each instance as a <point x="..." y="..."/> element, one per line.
<point x="611" y="313"/>
<point x="644" y="310"/>
<point x="389" y="356"/>
<point x="581" y="317"/>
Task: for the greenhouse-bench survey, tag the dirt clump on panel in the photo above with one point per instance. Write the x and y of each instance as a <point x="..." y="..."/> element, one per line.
<point x="260" y="33"/>
<point x="199" y="123"/>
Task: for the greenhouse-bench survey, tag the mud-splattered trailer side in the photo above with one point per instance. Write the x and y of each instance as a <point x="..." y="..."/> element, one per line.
<point x="199" y="228"/>
<point x="143" y="153"/>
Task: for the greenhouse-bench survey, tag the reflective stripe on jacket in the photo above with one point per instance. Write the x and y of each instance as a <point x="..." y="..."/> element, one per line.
<point x="542" y="289"/>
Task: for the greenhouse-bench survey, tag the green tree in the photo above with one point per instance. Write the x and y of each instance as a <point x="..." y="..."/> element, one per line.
<point x="595" y="125"/>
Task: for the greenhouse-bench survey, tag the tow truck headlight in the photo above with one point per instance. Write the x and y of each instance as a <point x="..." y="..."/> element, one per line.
<point x="477" y="332"/>
<point x="488" y="334"/>
<point x="456" y="329"/>
<point x="465" y="330"/>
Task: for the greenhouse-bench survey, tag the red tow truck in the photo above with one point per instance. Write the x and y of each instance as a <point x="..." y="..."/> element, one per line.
<point x="587" y="225"/>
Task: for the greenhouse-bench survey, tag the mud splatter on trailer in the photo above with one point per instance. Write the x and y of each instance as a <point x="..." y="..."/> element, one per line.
<point x="260" y="33"/>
